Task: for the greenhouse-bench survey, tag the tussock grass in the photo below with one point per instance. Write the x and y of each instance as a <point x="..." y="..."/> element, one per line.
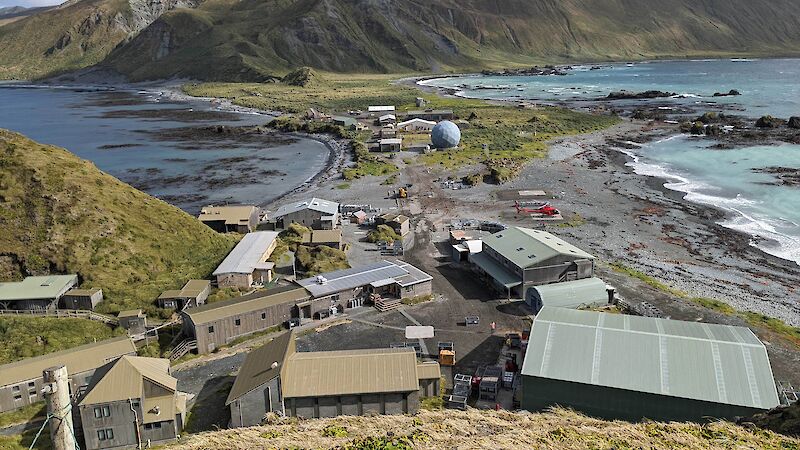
<point x="60" y="214"/>
<point x="26" y="337"/>
<point x="472" y="429"/>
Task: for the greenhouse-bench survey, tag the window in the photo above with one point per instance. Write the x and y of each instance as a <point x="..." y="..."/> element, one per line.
<point x="135" y="404"/>
<point x="151" y="426"/>
<point x="31" y="384"/>
<point x="263" y="316"/>
<point x="157" y="425"/>
<point x="102" y="411"/>
<point x="17" y="397"/>
<point x="237" y="322"/>
<point x="109" y="433"/>
<point x="211" y="329"/>
<point x="15" y="389"/>
<point x="101" y="435"/>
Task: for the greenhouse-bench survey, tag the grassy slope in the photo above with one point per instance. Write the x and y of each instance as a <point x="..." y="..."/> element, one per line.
<point x="61" y="39"/>
<point x="26" y="337"/>
<point x="60" y="214"/>
<point x="487" y="429"/>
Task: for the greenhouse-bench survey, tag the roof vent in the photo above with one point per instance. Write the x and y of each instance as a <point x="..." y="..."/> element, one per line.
<point x="275" y="364"/>
<point x="156" y="410"/>
<point x="321" y="279"/>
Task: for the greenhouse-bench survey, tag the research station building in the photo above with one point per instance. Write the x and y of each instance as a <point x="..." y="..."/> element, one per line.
<point x="194" y="293"/>
<point x="247" y="263"/>
<point x="39" y="292"/>
<point x="85" y="299"/>
<point x="21" y="381"/>
<point x="277" y="378"/>
<point x="617" y="366"/>
<point x="313" y="213"/>
<point x="517" y="258"/>
<point x="132" y="402"/>
<point x="217" y="324"/>
<point x="230" y="219"/>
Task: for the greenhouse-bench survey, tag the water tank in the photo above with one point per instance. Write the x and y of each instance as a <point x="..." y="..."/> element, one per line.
<point x="445" y="135"/>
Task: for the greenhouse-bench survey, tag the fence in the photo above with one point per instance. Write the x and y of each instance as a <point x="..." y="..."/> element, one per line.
<point x="62" y="313"/>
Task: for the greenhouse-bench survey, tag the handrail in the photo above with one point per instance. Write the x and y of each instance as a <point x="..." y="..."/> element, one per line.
<point x="61" y="313"/>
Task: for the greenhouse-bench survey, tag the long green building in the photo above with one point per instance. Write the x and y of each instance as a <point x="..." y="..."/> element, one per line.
<point x="618" y="366"/>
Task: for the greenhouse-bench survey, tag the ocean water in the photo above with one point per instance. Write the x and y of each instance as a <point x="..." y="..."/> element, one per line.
<point x="722" y="178"/>
<point x="152" y="143"/>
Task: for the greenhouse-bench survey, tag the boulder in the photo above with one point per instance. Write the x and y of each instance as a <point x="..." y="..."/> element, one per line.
<point x="794" y="122"/>
<point x="769" y="122"/>
<point x="732" y="92"/>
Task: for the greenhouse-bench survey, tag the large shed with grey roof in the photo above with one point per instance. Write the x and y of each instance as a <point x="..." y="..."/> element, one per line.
<point x="629" y="367"/>
<point x="314" y="213"/>
<point x="517" y="258"/>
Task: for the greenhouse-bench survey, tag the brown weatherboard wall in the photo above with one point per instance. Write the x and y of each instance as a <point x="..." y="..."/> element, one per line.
<point x="226" y="330"/>
<point x="73" y="301"/>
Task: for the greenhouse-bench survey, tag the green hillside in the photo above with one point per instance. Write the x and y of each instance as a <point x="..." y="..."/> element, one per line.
<point x="75" y="35"/>
<point x="60" y="214"/>
<point x="254" y="40"/>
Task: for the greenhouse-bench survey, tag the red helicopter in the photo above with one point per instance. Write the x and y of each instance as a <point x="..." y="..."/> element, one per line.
<point x="536" y="208"/>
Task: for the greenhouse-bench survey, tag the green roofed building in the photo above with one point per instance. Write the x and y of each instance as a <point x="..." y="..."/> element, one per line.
<point x="568" y="294"/>
<point x="618" y="366"/>
<point x="516" y="258"/>
<point x="41" y="292"/>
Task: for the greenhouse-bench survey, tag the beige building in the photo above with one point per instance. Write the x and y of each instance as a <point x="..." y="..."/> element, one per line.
<point x="329" y="238"/>
<point x="194" y="293"/>
<point x="132" y="402"/>
<point x="230" y="219"/>
<point x="390" y="145"/>
<point x="21" y="381"/>
<point x="247" y="263"/>
<point x="398" y="222"/>
<point x="277" y="378"/>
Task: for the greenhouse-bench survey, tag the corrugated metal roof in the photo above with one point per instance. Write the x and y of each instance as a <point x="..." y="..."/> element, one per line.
<point x="78" y="359"/>
<point x="232" y="215"/>
<point x="248" y="303"/>
<point x="526" y="247"/>
<point x="248" y="253"/>
<point x="380" y="108"/>
<point x="349" y="372"/>
<point x="193" y="288"/>
<point x="258" y="366"/>
<point x="35" y="288"/>
<point x="124" y="379"/>
<point x="495" y="270"/>
<point x="341" y="280"/>
<point x="707" y="362"/>
<point x="83" y="292"/>
<point x="429" y="370"/>
<point x="315" y="204"/>
<point x="416" y="121"/>
<point x="571" y="294"/>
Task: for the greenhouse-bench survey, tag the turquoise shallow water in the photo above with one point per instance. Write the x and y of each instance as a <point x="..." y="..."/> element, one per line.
<point x="721" y="178"/>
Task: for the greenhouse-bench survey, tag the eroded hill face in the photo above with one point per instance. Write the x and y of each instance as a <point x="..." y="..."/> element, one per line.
<point x="254" y="40"/>
<point x="74" y="35"/>
<point x="60" y="214"/>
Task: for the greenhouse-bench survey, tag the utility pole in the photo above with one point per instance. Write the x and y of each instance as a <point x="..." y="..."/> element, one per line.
<point x="59" y="408"/>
